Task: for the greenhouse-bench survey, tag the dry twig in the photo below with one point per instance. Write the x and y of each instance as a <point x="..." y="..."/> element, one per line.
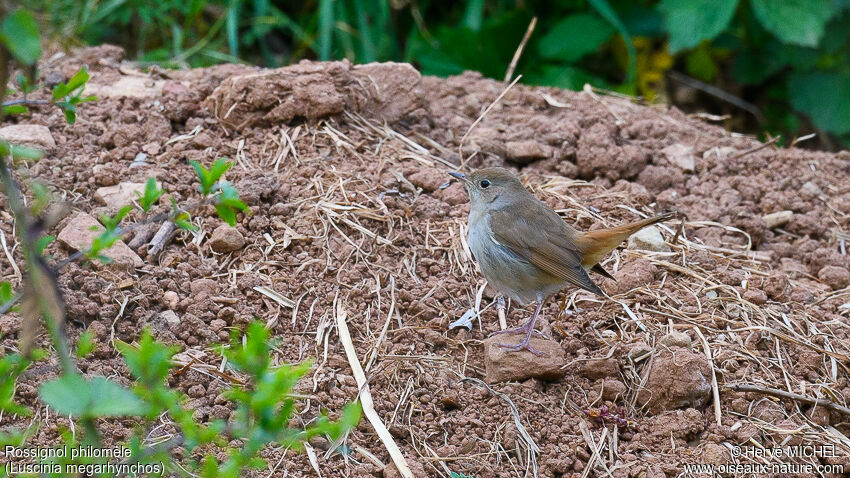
<point x="742" y="387"/>
<point x="366" y="395"/>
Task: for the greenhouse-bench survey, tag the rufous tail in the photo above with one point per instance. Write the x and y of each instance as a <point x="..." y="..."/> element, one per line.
<point x="595" y="245"/>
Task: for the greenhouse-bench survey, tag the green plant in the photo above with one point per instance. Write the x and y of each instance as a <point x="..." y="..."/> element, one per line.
<point x="11" y="367"/>
<point x="20" y="36"/>
<point x="227" y="201"/>
<point x="781" y="63"/>
<point x="151" y="195"/>
<point x="264" y="404"/>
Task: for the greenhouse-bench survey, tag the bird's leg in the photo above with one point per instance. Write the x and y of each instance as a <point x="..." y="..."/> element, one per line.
<point x="528" y="329"/>
<point x="523" y="329"/>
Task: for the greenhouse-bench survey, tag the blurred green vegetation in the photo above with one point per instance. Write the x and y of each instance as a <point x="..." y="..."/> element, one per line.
<point x="777" y="66"/>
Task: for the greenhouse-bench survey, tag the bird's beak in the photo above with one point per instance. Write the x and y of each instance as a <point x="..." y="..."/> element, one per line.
<point x="458" y="175"/>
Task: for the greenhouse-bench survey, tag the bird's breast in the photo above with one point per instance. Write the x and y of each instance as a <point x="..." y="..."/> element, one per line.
<point x="506" y="271"/>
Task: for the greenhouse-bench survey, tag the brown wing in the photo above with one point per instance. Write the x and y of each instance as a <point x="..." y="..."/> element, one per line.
<point x="548" y="243"/>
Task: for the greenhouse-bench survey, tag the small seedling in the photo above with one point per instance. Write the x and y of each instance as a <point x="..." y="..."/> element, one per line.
<point x="209" y="177"/>
<point x="25" y="85"/>
<point x="12" y="366"/>
<point x="227" y="201"/>
<point x="151" y="195"/>
<point x="68" y="95"/>
<point x="85" y="345"/>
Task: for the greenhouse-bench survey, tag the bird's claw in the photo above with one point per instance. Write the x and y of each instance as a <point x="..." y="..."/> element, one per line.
<point x="524" y="345"/>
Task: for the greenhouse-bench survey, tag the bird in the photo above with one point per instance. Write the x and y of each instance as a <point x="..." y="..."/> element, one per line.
<point x="526" y="251"/>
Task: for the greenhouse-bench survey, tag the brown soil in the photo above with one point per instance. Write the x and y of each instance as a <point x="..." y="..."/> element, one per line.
<point x="362" y="212"/>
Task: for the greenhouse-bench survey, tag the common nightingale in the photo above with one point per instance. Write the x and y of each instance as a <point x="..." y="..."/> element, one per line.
<point x="526" y="251"/>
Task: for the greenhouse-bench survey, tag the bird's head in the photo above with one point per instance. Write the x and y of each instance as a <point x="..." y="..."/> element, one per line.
<point x="491" y="186"/>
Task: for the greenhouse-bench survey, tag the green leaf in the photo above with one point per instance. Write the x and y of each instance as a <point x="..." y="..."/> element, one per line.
<point x="203" y="176"/>
<point x="755" y="65"/>
<point x="70" y="112"/>
<point x="68" y="395"/>
<point x="608" y="13"/>
<point x="86" y="344"/>
<point x="230" y="197"/>
<point x="11" y="367"/>
<point x="226" y="214"/>
<point x="640" y="20"/>
<point x="42" y="243"/>
<point x="574" y="37"/>
<point x="692" y="21"/>
<point x="150" y="362"/>
<point x="15" y="110"/>
<point x="151" y="196"/>
<point x="800" y="22"/>
<point x="25" y="152"/>
<point x="78" y="80"/>
<point x="100" y="243"/>
<point x="181" y="218"/>
<point x="218" y="168"/>
<point x="113" y="400"/>
<point x="19" y="33"/>
<point x="700" y="64"/>
<point x="452" y="50"/>
<point x="25" y="85"/>
<point x="228" y="202"/>
<point x="111" y="222"/>
<point x="825" y="97"/>
<point x="73" y="395"/>
<point x="208" y="177"/>
<point x="185" y="225"/>
<point x="5" y="292"/>
<point x="251" y="353"/>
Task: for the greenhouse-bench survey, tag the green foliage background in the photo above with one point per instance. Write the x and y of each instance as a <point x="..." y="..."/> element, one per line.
<point x="787" y="60"/>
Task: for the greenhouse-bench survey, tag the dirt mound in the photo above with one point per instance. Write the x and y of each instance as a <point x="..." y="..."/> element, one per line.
<point x="344" y="169"/>
<point x="381" y="91"/>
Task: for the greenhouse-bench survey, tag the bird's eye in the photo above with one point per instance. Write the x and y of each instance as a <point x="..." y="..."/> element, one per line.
<point x="484" y="184"/>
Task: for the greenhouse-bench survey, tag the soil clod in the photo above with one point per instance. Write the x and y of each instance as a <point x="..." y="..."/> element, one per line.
<point x="32" y="135"/>
<point x="80" y="231"/>
<point x="515" y="366"/>
<point x="679" y="378"/>
<point x="226" y="239"/>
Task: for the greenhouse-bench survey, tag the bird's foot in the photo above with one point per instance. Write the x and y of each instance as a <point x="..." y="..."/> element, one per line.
<point x="517" y="331"/>
<point x="528" y="330"/>
<point x="524" y="345"/>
